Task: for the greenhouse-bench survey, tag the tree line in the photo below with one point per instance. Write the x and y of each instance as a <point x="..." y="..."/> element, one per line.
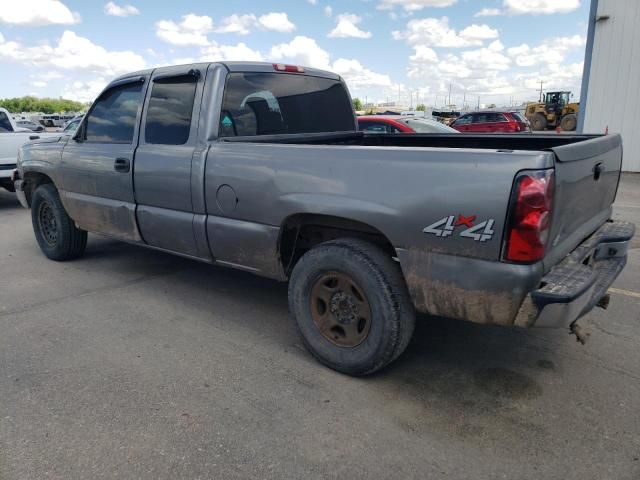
<point x="44" y="105"/>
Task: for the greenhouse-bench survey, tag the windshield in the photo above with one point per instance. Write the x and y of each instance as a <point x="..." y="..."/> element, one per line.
<point x="422" y="125"/>
<point x="276" y="103"/>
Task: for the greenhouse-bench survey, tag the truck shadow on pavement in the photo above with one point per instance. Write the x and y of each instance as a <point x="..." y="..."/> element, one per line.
<point x="456" y="377"/>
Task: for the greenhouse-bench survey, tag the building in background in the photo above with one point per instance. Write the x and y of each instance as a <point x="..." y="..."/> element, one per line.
<point x="610" y="96"/>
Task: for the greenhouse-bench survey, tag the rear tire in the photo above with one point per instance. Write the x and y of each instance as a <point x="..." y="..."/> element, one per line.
<point x="57" y="235"/>
<point x="351" y="306"/>
<point x="539" y="122"/>
<point x="569" y="122"/>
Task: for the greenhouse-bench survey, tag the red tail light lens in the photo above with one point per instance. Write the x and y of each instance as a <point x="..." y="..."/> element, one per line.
<point x="530" y="217"/>
<point x="281" y="67"/>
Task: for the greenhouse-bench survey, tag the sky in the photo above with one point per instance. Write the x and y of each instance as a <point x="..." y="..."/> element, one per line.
<point x="412" y="51"/>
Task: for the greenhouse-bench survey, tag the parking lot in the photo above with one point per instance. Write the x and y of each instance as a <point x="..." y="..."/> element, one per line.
<point x="136" y="364"/>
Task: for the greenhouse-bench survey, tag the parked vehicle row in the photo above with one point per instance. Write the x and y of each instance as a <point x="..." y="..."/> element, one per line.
<point x="230" y="169"/>
<point x="475" y="122"/>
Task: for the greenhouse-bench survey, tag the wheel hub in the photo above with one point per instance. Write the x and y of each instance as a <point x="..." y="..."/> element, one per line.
<point x="343" y="308"/>
<point x="340" y="309"/>
<point x="48" y="224"/>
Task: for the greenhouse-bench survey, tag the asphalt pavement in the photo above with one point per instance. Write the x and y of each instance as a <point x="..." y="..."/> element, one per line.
<point x="130" y="363"/>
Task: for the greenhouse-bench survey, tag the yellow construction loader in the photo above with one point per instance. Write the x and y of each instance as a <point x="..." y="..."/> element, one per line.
<point x="556" y="110"/>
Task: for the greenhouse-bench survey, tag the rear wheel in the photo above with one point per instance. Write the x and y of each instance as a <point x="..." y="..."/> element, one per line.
<point x="569" y="122"/>
<point x="351" y="306"/>
<point x="57" y="235"/>
<point x="539" y="122"/>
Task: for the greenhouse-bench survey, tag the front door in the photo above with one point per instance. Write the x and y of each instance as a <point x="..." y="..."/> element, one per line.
<point x="97" y="163"/>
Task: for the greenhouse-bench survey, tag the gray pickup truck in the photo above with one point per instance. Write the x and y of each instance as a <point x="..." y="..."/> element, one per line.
<point x="261" y="167"/>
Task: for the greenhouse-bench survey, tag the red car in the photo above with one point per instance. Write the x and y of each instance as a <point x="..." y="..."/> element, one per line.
<point x="401" y="124"/>
<point x="492" y="122"/>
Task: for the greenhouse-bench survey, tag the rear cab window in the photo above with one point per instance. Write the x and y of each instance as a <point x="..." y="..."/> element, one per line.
<point x="258" y="103"/>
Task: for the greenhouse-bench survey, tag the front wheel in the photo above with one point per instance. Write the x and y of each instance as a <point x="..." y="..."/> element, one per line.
<point x="539" y="122"/>
<point x="57" y="235"/>
<point x="351" y="306"/>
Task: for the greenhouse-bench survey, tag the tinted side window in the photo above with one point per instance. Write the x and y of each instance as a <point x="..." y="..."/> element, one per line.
<point x="5" y="124"/>
<point x="479" y="118"/>
<point x="373" y="127"/>
<point x="113" y="117"/>
<point x="279" y="103"/>
<point x="168" y="119"/>
<point x="466" y="120"/>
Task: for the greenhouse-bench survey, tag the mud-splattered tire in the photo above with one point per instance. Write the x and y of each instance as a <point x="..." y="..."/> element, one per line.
<point x="57" y="235"/>
<point x="341" y="285"/>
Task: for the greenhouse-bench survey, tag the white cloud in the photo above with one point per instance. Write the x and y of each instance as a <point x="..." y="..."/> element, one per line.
<point x="73" y="53"/>
<point x="277" y="22"/>
<point x="488" y="12"/>
<point x="551" y="51"/>
<point x="424" y="55"/>
<point x="51" y="75"/>
<point x="38" y="83"/>
<point x="356" y="75"/>
<point x="313" y="2"/>
<point x="328" y="11"/>
<point x="191" y="31"/>
<point x="240" y="24"/>
<point x="120" y="11"/>
<point x="540" y="7"/>
<point x="436" y="32"/>
<point x="36" y="13"/>
<point x="479" y="32"/>
<point x="301" y="51"/>
<point x="216" y="53"/>
<point x="84" y="91"/>
<point x="414" y="5"/>
<point x="243" y="24"/>
<point x="347" y="27"/>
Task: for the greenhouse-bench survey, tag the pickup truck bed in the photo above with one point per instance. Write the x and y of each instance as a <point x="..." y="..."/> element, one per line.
<point x="505" y="229"/>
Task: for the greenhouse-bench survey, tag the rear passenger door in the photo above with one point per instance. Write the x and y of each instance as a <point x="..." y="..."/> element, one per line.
<point x="162" y="174"/>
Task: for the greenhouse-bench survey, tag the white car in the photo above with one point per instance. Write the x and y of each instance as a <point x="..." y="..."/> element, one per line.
<point x="12" y="138"/>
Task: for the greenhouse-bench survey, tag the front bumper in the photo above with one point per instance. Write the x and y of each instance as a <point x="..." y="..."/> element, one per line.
<point x="18" y="185"/>
<point x="574" y="286"/>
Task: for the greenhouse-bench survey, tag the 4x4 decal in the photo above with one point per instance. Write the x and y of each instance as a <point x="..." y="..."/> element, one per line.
<point x="447" y="225"/>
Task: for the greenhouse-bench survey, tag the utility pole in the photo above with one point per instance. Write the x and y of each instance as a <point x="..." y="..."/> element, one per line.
<point x="398" y="94"/>
<point x="449" y="93"/>
<point x="541" y="82"/>
<point x="478" y="102"/>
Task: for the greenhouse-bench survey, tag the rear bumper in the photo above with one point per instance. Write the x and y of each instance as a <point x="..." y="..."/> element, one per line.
<point x="574" y="286"/>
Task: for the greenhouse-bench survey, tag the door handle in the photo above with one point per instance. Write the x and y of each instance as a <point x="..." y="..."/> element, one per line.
<point x="122" y="165"/>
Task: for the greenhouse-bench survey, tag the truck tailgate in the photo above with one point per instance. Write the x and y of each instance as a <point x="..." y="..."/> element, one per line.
<point x="586" y="181"/>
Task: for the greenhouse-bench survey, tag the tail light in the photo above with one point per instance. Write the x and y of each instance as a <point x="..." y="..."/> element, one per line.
<point x="281" y="67"/>
<point x="530" y="216"/>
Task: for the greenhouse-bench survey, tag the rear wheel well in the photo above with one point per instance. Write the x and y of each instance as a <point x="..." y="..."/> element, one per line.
<point x="300" y="233"/>
<point x="33" y="180"/>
